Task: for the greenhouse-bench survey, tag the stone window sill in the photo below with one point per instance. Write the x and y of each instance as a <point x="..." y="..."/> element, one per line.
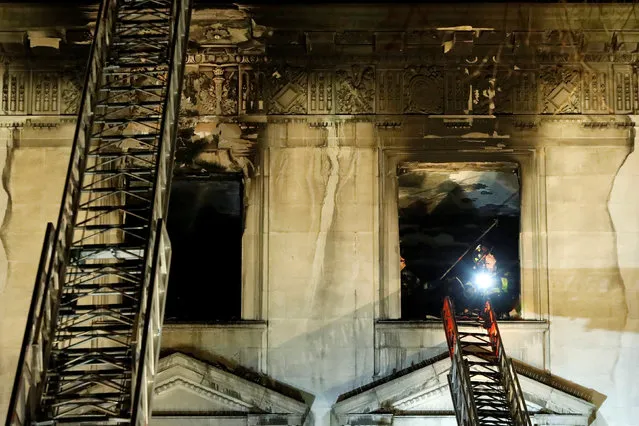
<point x="531" y="325"/>
<point x="246" y="324"/>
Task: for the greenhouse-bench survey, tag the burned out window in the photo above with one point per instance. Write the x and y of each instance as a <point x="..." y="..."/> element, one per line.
<point x="459" y="226"/>
<point x="205" y="224"/>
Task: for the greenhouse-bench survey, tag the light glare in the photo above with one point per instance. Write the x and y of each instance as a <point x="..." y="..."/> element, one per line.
<point x="483" y="280"/>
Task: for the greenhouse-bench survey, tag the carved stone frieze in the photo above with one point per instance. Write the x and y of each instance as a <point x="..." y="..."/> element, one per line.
<point x="287" y="90"/>
<point x="504" y="99"/>
<point x="390" y="91"/>
<point x="14" y="91"/>
<point x="424" y="90"/>
<point x="525" y="92"/>
<point x="198" y="93"/>
<point x="458" y="96"/>
<point x="355" y="90"/>
<point x="71" y="91"/>
<point x="320" y="91"/>
<point x="596" y="90"/>
<point x="560" y="89"/>
<point x="483" y="90"/>
<point x="211" y="92"/>
<point x="45" y="93"/>
<point x="252" y="91"/>
<point x="623" y="89"/>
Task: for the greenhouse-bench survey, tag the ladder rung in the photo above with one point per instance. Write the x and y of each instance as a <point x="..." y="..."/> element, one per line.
<point x="139" y="170"/>
<point x="82" y="396"/>
<point x="104" y="351"/>
<point x="134" y="189"/>
<point x="110" y="372"/>
<point x="129" y="104"/>
<point x="146" y="87"/>
<point x="139" y="119"/>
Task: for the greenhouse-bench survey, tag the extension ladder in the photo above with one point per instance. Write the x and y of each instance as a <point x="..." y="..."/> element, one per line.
<point x="483" y="383"/>
<point x="92" y="337"/>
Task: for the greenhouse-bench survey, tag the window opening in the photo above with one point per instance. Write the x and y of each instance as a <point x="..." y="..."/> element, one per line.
<point x="459" y="226"/>
<point x="205" y="225"/>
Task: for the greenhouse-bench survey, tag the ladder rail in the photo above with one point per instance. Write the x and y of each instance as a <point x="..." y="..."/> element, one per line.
<point x="149" y="331"/>
<point x="510" y="381"/>
<point x="83" y="254"/>
<point x="151" y="314"/>
<point x="459" y="376"/>
<point x="64" y="233"/>
<point x="46" y="296"/>
<point x="29" y="371"/>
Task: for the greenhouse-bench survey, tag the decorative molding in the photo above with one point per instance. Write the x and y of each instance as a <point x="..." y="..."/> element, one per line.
<point x="320" y="91"/>
<point x="213" y="382"/>
<point x="424" y="90"/>
<point x="203" y="391"/>
<point x="390" y="86"/>
<point x="560" y="89"/>
<point x="526" y="93"/>
<point x="623" y="89"/>
<point x="596" y="90"/>
<point x="287" y="90"/>
<point x="355" y="90"/>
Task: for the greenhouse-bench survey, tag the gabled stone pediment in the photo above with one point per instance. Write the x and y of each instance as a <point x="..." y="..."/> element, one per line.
<point x="185" y="386"/>
<point x="423" y="391"/>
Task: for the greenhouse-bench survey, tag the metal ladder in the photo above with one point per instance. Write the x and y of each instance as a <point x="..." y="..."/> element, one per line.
<point x="92" y="336"/>
<point x="483" y="382"/>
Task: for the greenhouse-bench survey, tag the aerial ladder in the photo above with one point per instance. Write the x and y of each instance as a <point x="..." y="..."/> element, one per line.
<point x="483" y="382"/>
<point x="91" y="343"/>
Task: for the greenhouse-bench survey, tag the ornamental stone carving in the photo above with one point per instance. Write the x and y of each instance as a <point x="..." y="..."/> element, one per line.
<point x="14" y="98"/>
<point x="212" y="92"/>
<point x="596" y="86"/>
<point x="320" y="89"/>
<point x="525" y="92"/>
<point x="355" y="90"/>
<point x="288" y="90"/>
<point x="71" y="85"/>
<point x="624" y="95"/>
<point x="424" y="90"/>
<point x="560" y="90"/>
<point x="389" y="91"/>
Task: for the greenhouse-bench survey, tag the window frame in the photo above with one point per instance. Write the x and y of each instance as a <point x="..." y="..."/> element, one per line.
<point x="254" y="267"/>
<point x="532" y="239"/>
<point x="213" y="177"/>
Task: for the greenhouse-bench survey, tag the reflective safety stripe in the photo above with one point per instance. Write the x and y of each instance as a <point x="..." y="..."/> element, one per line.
<point x="504" y="284"/>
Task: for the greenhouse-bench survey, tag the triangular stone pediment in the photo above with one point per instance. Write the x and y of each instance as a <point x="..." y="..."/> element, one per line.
<point x="185" y="386"/>
<point x="423" y="391"/>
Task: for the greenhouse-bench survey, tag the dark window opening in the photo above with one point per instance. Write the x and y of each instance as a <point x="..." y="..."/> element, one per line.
<point x="205" y="225"/>
<point x="459" y="226"/>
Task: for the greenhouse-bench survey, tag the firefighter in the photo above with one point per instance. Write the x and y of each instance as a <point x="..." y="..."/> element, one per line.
<point x="410" y="281"/>
<point x="489" y="281"/>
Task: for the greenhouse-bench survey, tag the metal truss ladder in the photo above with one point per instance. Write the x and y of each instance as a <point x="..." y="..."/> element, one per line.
<point x="92" y="336"/>
<point x="483" y="382"/>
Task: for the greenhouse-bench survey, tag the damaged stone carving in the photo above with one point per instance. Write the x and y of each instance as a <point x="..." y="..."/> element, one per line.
<point x="214" y="147"/>
<point x="211" y="92"/>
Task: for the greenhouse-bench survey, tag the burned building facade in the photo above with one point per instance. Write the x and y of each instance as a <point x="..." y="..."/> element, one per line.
<point x="325" y="150"/>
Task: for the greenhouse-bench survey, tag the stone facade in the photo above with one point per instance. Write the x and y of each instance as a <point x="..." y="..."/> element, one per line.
<point x="317" y="106"/>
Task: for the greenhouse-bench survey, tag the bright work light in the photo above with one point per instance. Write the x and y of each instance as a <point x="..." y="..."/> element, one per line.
<point x="483" y="280"/>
